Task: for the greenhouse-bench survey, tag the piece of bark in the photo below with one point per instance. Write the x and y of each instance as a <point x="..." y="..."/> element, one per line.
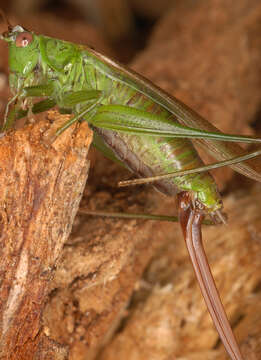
<point x="41" y="181"/>
<point x="101" y="265"/>
<point x="207" y="54"/>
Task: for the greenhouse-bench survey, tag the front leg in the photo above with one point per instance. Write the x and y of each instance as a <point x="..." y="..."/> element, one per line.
<point x="68" y="101"/>
<point x="79" y="102"/>
<point x="9" y="116"/>
<point x="29" y="92"/>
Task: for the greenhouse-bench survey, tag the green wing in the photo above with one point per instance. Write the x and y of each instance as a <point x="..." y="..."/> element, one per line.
<point x="186" y="116"/>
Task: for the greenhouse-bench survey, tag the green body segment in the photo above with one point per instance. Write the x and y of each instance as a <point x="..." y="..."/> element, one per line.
<point x="159" y="155"/>
<point x="68" y="68"/>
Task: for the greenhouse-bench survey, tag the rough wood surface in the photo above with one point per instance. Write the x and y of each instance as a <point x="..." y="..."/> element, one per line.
<point x="102" y="263"/>
<point x="41" y="184"/>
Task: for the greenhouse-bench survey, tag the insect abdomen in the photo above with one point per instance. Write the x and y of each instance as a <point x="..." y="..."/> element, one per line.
<point x="151" y="155"/>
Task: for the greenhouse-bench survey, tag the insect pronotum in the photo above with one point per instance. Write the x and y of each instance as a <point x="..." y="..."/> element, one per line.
<point x="140" y="125"/>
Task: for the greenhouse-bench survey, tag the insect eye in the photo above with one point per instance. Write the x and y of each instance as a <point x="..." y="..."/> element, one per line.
<point x="23" y="39"/>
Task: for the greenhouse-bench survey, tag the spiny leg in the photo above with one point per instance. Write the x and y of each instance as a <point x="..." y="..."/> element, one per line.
<point x="136" y="216"/>
<point x="87" y="111"/>
<point x="27" y="92"/>
<point x="17" y="113"/>
<point x="9" y="117"/>
<point x="190" y="220"/>
<point x="139" y="122"/>
<point x="69" y="100"/>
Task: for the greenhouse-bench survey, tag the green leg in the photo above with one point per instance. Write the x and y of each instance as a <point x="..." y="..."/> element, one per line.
<point x="139" y="122"/>
<point x="87" y="110"/>
<point x="38" y="90"/>
<point x="37" y="108"/>
<point x="9" y="116"/>
<point x="69" y="101"/>
<point x="72" y="99"/>
<point x="43" y="105"/>
<point x="235" y="160"/>
<point x="92" y="99"/>
<point x="27" y="92"/>
<point x="135" y="216"/>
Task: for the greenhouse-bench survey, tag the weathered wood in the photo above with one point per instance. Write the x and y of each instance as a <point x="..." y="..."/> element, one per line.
<point x="41" y="182"/>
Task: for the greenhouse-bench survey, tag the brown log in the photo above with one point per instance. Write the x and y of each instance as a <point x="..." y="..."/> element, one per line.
<point x="41" y="182"/>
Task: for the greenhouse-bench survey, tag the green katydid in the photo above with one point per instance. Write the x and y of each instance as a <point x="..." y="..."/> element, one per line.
<point x="140" y="125"/>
